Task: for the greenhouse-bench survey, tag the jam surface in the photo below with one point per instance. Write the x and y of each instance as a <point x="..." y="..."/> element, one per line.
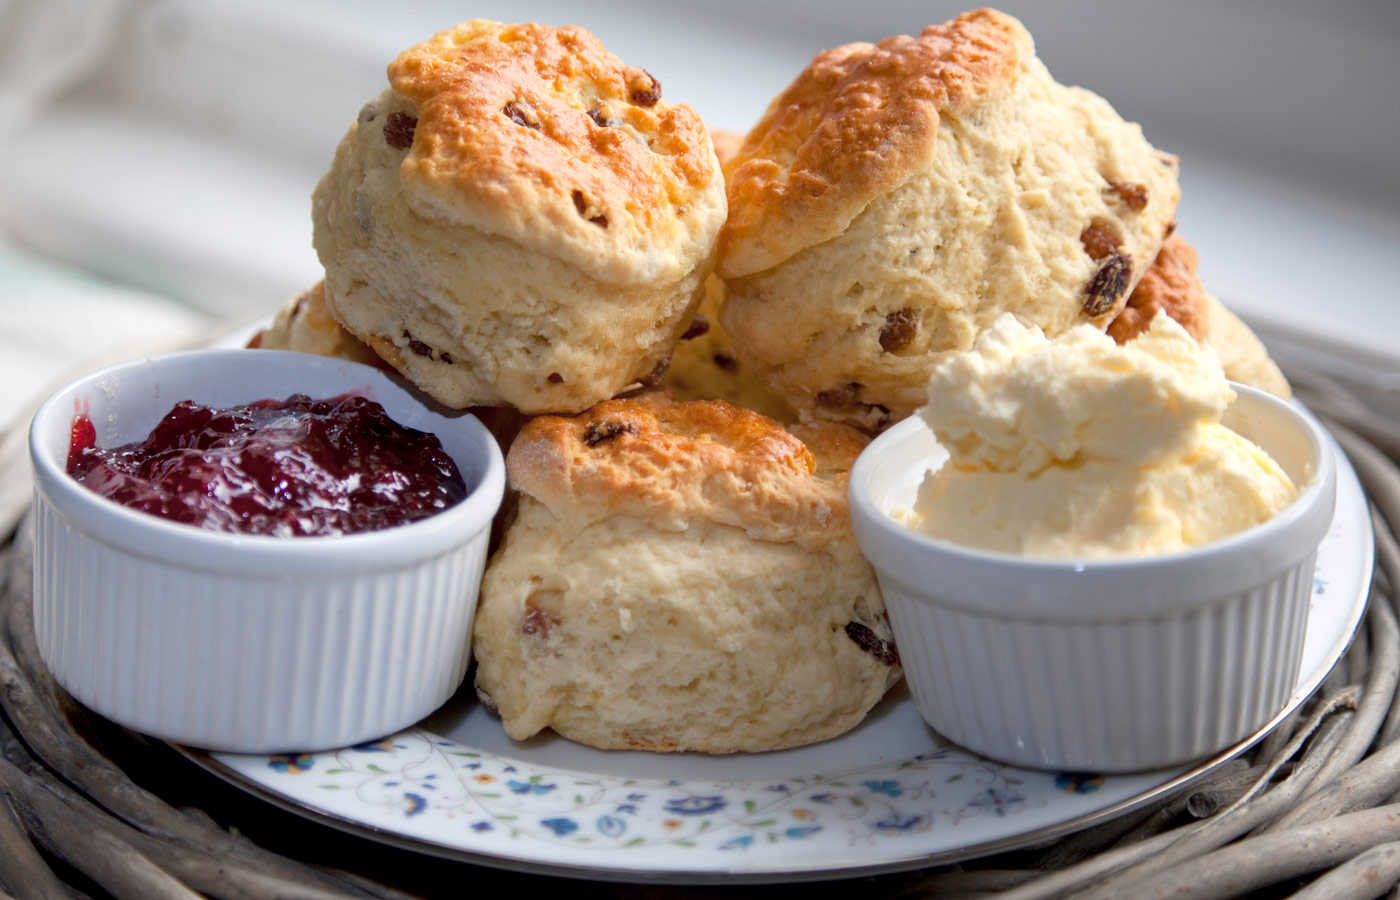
<point x="298" y="467"/>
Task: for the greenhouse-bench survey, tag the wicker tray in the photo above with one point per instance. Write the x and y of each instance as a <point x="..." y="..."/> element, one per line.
<point x="90" y="809"/>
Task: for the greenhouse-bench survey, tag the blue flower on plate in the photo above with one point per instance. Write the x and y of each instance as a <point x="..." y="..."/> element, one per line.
<point x="291" y="763"/>
<point x="611" y="826"/>
<point x="738" y="843"/>
<point x="801" y="831"/>
<point x="413" y="804"/>
<point x="888" y="788"/>
<point x="696" y="805"/>
<point x="482" y="826"/>
<point x="560" y="826"/>
<point x="896" y="822"/>
<point x="998" y="802"/>
<point x="1078" y="782"/>
<point x="533" y="786"/>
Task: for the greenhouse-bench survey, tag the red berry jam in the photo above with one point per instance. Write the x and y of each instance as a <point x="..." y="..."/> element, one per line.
<point x="298" y="467"/>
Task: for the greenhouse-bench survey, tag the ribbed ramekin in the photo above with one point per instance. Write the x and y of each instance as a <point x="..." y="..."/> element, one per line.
<point x="1104" y="665"/>
<point x="252" y="643"/>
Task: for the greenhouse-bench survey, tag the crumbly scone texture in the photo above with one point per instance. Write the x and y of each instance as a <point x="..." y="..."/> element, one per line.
<point x="986" y="188"/>
<point x="1173" y="285"/>
<point x="519" y="219"/>
<point x="681" y="577"/>
<point x="306" y="325"/>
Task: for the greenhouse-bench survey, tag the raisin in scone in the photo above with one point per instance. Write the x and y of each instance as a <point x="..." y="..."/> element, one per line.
<point x="681" y="576"/>
<point x="519" y="219"/>
<point x="898" y="197"/>
<point x="1173" y="286"/>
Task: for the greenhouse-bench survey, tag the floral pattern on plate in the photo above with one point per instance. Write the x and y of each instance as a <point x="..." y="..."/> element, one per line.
<point x="417" y="774"/>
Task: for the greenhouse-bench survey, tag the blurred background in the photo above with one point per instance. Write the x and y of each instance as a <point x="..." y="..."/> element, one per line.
<point x="157" y="156"/>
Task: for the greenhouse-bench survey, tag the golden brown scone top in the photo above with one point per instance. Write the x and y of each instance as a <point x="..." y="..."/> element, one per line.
<point x="1171" y="285"/>
<point x="670" y="463"/>
<point x="539" y="134"/>
<point x="856" y="124"/>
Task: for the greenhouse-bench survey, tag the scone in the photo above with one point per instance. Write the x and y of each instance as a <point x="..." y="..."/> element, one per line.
<point x="1173" y="285"/>
<point x="681" y="576"/>
<point x="519" y="219"/>
<point x="306" y="325"/>
<point x="897" y="198"/>
<point x="703" y="365"/>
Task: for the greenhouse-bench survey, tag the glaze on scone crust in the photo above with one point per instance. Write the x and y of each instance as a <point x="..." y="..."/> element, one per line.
<point x="673" y="463"/>
<point x="519" y="219"/>
<point x="1004" y="192"/>
<point x="681" y="577"/>
<point x="519" y="123"/>
<point x="856" y="124"/>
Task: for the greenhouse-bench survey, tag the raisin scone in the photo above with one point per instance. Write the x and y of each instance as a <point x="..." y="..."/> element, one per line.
<point x="1173" y="285"/>
<point x="306" y="325"/>
<point x="681" y="576"/>
<point x="703" y="365"/>
<point x="519" y="219"/>
<point x="898" y="197"/>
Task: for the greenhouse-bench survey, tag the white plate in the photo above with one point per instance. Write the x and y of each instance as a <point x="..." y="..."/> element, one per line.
<point x="890" y="795"/>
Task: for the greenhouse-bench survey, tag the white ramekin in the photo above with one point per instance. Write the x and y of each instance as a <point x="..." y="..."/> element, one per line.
<point x="1106" y="665"/>
<point x="252" y="643"/>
